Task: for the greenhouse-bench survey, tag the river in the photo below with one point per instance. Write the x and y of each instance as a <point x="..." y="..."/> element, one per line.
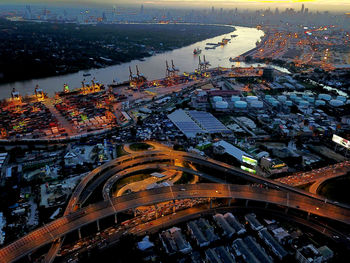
<point x="152" y="67"/>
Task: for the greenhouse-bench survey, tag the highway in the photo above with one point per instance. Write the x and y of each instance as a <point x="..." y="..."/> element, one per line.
<point x="91" y="213"/>
<point x="161" y="153"/>
<point x="123" y="173"/>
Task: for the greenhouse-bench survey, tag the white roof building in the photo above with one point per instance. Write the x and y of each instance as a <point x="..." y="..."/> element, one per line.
<point x="232" y="150"/>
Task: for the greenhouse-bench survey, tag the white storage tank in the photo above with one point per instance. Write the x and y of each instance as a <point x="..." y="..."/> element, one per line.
<point x="257" y="104"/>
<point x="281" y="98"/>
<point x="323" y="96"/>
<point x="336" y="103"/>
<point x="303" y="103"/>
<point x="240" y="104"/>
<point x="235" y="98"/>
<point x="310" y="99"/>
<point x="298" y="99"/>
<point x="217" y="98"/>
<point x="251" y="98"/>
<point x="341" y="98"/>
<point x="289" y="103"/>
<point x="305" y="96"/>
<point x="274" y="103"/>
<point x="221" y="105"/>
<point x="320" y="103"/>
<point x="293" y="96"/>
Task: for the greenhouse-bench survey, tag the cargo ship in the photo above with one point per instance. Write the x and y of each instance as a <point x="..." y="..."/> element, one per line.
<point x="197" y="51"/>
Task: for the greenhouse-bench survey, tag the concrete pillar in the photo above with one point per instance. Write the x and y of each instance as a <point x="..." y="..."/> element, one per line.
<point x="286" y="210"/>
<point x="229" y="201"/>
<point x="98" y="225"/>
<point x="211" y="203"/>
<point x="115" y="219"/>
<point x="266" y="204"/>
<point x="246" y="202"/>
<point x="134" y="211"/>
<point x="79" y="233"/>
<point x="174" y="207"/>
<point x="308" y="215"/>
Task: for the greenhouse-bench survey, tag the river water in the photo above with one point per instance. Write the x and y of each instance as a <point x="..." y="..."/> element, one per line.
<point x="153" y="67"/>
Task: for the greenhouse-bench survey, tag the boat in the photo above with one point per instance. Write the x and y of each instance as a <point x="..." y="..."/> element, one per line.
<point x="197" y="51"/>
<point x="234" y="36"/>
<point x="86" y="74"/>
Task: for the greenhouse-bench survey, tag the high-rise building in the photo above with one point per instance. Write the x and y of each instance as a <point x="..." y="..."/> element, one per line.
<point x="142" y="9"/>
<point x="302" y="8"/>
<point x="28" y="12"/>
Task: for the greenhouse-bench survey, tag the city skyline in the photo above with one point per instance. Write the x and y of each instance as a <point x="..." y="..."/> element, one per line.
<point x="322" y="5"/>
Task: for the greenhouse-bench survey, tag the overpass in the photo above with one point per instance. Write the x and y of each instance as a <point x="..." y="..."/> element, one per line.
<point x="161" y="154"/>
<point x="66" y="224"/>
<point x="314" y="187"/>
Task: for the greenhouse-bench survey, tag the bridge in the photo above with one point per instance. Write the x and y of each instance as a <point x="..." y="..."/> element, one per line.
<point x="66" y="224"/>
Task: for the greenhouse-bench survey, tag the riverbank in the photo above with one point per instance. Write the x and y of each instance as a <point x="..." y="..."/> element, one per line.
<point x="153" y="67"/>
<point x="48" y="49"/>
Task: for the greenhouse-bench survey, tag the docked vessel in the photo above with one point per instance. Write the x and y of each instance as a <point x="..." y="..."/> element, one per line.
<point x="197" y="51"/>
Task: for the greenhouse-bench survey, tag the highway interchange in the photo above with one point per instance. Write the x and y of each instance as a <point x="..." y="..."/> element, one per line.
<point x="76" y="215"/>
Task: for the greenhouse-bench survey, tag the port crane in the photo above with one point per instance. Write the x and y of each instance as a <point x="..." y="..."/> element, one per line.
<point x="138" y="79"/>
<point x="203" y="65"/>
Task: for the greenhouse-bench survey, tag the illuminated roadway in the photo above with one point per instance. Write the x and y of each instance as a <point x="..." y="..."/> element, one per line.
<point x="91" y="213"/>
<point x="161" y="153"/>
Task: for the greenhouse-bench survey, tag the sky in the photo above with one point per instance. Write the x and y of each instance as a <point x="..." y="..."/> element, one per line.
<point x="332" y="5"/>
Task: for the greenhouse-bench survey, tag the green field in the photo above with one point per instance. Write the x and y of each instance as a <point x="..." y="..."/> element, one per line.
<point x="140" y="146"/>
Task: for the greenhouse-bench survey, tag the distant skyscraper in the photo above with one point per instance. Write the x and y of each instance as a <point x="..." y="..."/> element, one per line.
<point x="212" y="9"/>
<point x="141" y="10"/>
<point x="277" y="12"/>
<point x="104" y="17"/>
<point x="302" y="8"/>
<point x="28" y="12"/>
<point x="65" y="15"/>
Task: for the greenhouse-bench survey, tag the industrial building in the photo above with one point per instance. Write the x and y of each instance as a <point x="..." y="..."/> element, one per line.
<point x="228" y="231"/>
<point x="173" y="241"/>
<point x="253" y="222"/>
<point x="192" y="123"/>
<point x="276" y="248"/>
<point x="239" y="228"/>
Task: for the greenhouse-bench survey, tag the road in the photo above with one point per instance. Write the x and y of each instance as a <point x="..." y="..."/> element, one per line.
<point x="84" y="216"/>
<point x="161" y="153"/>
<point x="314" y="187"/>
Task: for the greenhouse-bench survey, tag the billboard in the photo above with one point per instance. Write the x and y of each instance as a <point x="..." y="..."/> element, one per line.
<point x="248" y="169"/>
<point x="341" y="141"/>
<point x="249" y="160"/>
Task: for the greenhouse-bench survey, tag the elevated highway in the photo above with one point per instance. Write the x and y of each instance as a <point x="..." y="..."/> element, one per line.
<point x="92" y="213"/>
<point x="160" y="153"/>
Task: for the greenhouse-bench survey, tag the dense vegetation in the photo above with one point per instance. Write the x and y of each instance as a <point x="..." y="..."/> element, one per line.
<point x="32" y="50"/>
